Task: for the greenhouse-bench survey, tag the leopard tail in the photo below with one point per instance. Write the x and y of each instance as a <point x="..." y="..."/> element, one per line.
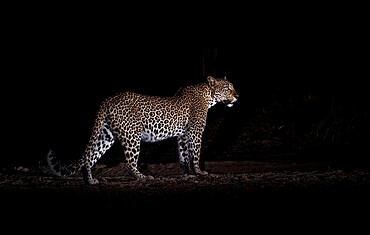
<point x="57" y="168"/>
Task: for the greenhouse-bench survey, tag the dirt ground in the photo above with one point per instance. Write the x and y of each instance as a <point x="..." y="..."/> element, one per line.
<point x="265" y="185"/>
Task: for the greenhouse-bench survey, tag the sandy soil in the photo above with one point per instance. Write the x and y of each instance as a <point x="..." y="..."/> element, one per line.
<point x="229" y="185"/>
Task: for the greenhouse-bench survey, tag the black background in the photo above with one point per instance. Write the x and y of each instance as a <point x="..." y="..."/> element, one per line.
<point x="61" y="63"/>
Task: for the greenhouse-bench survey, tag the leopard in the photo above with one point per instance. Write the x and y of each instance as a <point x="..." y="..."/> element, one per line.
<point x="132" y="118"/>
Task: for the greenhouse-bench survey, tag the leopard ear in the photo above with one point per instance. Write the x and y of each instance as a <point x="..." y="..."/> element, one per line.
<point x="211" y="81"/>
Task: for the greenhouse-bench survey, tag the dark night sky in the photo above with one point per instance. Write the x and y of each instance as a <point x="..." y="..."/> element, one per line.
<point x="62" y="66"/>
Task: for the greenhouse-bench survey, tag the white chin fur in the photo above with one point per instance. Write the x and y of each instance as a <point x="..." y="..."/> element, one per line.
<point x="229" y="105"/>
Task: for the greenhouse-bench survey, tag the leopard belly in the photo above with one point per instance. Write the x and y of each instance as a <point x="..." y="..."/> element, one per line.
<point x="153" y="134"/>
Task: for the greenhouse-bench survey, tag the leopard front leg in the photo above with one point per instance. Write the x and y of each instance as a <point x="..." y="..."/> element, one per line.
<point x="194" y="150"/>
<point x="196" y="169"/>
<point x="131" y="165"/>
<point x="189" y="153"/>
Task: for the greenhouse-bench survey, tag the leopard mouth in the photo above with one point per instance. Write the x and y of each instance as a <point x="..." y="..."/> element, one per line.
<point x="229" y="103"/>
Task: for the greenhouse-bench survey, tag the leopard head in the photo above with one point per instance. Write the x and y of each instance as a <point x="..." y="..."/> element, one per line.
<point x="222" y="90"/>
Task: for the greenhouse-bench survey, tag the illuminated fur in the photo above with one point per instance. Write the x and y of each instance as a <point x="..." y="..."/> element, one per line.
<point x="131" y="118"/>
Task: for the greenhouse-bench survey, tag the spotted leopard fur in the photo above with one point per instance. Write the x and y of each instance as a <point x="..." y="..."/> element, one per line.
<point x="131" y="118"/>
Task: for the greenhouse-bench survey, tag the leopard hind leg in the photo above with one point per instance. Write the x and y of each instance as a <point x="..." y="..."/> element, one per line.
<point x="184" y="158"/>
<point x="94" y="151"/>
<point x="131" y="145"/>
